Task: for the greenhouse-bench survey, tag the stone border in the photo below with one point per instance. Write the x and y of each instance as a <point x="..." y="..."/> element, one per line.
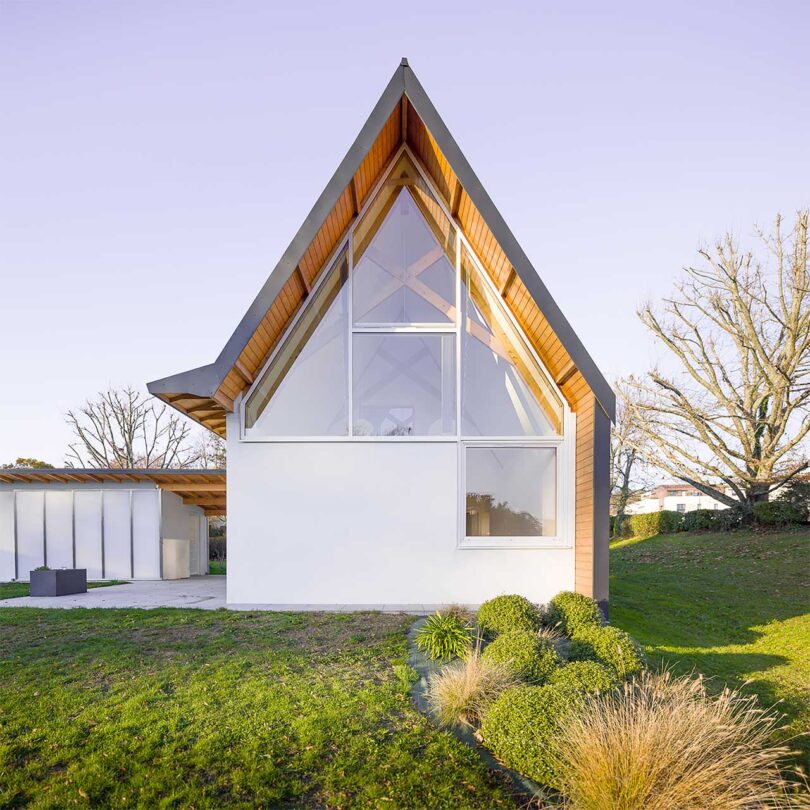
<point x="424" y="666"/>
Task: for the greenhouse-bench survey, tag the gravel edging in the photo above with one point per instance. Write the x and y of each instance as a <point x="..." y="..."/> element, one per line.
<point x="424" y="666"/>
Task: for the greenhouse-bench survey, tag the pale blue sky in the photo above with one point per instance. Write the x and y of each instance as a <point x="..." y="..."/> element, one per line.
<point x="157" y="157"/>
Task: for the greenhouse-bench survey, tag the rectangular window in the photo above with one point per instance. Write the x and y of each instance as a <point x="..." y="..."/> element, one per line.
<point x="680" y="507"/>
<point x="404" y="384"/>
<point x="511" y="492"/>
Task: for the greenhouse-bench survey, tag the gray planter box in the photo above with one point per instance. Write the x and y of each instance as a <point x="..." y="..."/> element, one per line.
<point x="58" y="583"/>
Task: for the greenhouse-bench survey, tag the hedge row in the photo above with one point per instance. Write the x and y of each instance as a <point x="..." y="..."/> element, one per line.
<point x="768" y="513"/>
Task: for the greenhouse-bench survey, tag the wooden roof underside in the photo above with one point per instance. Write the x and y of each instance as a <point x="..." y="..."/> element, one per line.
<point x="403" y="125"/>
<point x="203" y="488"/>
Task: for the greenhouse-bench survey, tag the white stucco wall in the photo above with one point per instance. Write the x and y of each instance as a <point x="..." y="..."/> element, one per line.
<point x="184" y="522"/>
<point x="364" y="523"/>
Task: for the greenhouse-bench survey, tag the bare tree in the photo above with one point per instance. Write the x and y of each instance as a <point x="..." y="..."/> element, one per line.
<point x="122" y="428"/>
<point x="738" y="413"/>
<point x="629" y="469"/>
<point x="211" y="453"/>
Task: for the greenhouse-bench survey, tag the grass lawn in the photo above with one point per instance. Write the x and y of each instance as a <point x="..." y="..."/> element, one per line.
<point x="733" y="606"/>
<point x="195" y="708"/>
<point x="8" y="590"/>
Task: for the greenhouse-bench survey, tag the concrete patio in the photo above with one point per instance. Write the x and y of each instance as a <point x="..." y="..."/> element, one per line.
<point x="202" y="593"/>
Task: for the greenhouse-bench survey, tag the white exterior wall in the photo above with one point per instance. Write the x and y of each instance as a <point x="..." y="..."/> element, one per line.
<point x="61" y="525"/>
<point x="183" y="523"/>
<point x="334" y="523"/>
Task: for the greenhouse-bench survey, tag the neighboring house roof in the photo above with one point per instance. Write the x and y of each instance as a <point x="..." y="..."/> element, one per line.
<point x="203" y="488"/>
<point x="403" y="114"/>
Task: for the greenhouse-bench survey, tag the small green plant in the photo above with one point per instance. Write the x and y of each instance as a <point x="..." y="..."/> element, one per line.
<point x="525" y="655"/>
<point x="610" y="646"/>
<point x="585" y="676"/>
<point x="444" y="636"/>
<point x="570" y="612"/>
<point x="521" y="724"/>
<point x="508" y="612"/>
<point x="406" y="676"/>
<point x="42" y="568"/>
<point x="462" y="692"/>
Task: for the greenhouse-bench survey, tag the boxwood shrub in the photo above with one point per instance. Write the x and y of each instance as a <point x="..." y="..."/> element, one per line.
<point x="521" y="724"/>
<point x="569" y="612"/>
<point x="585" y="676"/>
<point x="525" y="655"/>
<point x="610" y="646"/>
<point x="508" y="612"/>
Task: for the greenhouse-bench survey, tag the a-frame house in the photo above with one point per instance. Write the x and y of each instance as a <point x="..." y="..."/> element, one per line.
<point x="410" y="418"/>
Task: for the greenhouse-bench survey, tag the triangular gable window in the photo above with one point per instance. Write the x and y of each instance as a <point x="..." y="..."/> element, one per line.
<point x="303" y="391"/>
<point x="399" y="335"/>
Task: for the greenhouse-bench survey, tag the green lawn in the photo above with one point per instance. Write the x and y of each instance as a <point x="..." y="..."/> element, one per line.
<point x="8" y="590"/>
<point x="191" y="708"/>
<point x="733" y="606"/>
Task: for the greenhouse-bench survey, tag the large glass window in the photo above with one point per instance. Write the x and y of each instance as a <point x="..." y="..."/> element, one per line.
<point x="404" y="384"/>
<point x="511" y="491"/>
<point x="503" y="392"/>
<point x="303" y="391"/>
<point x="404" y="275"/>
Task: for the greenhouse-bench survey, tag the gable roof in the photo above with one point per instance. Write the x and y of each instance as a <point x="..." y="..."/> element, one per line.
<point x="403" y="114"/>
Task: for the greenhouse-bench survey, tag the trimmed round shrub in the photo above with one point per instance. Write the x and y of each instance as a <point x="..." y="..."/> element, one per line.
<point x="610" y="646"/>
<point x="778" y="513"/>
<point x="508" y="612"/>
<point x="571" y="612"/>
<point x="585" y="676"/>
<point x="525" y="655"/>
<point x="521" y="725"/>
<point x="444" y="636"/>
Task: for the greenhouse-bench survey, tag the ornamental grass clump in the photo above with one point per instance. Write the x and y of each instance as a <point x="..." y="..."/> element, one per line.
<point x="610" y="646"/>
<point x="585" y="676"/>
<point x="462" y="691"/>
<point x="525" y="655"/>
<point x="508" y="612"/>
<point x="662" y="742"/>
<point x="443" y="637"/>
<point x="572" y="612"/>
<point x="522" y="723"/>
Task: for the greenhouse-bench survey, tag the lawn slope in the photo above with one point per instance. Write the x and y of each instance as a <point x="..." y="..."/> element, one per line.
<point x="734" y="606"/>
<point x="215" y="709"/>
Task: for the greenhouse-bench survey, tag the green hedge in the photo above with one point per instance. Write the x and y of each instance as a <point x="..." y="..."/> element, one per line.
<point x="508" y="612"/>
<point x="520" y="727"/>
<point x="651" y="523"/>
<point x="569" y="612"/>
<point x="524" y="654"/>
<point x="778" y="513"/>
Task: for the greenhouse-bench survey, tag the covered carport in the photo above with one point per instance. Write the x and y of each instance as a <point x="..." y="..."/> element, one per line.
<point x="117" y="523"/>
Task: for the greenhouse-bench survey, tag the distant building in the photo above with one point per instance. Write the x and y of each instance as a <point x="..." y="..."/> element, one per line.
<point x="673" y="497"/>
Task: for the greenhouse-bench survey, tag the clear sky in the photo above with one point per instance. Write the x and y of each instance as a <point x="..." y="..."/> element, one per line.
<point x="156" y="158"/>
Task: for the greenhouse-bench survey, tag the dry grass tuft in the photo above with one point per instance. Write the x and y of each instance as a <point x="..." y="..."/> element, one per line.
<point x="663" y="743"/>
<point x="462" y="691"/>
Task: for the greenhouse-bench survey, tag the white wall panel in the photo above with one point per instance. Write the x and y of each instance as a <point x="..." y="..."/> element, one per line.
<point x="364" y="523"/>
<point x="117" y="549"/>
<point x="7" y="572"/>
<point x="30" y="538"/>
<point x="59" y="528"/>
<point x="88" y="532"/>
<point x="146" y="533"/>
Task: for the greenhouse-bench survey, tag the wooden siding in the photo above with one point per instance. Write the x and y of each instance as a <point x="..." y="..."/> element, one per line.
<point x="584" y="519"/>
